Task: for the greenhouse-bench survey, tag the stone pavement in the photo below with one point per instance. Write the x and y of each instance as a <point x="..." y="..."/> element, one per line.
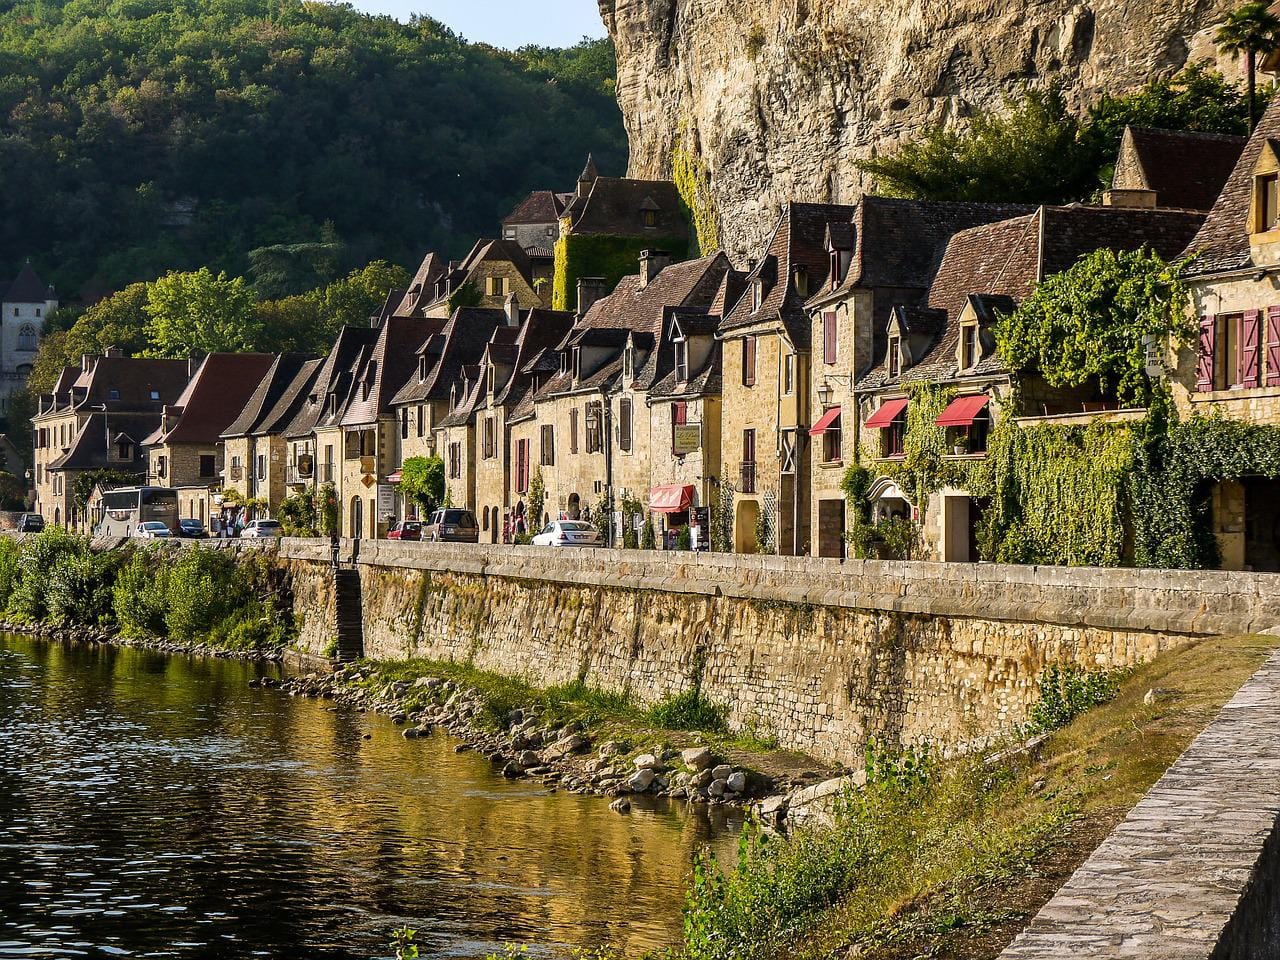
<point x="1191" y="872"/>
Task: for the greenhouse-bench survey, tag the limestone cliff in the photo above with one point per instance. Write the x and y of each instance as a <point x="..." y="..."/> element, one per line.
<point x="781" y="96"/>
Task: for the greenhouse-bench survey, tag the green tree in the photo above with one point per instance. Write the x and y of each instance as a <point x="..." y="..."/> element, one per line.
<point x="1250" y="29"/>
<point x="1087" y="324"/>
<point x="200" y="313"/>
<point x="359" y="295"/>
<point x="422" y="481"/>
<point x="286" y="269"/>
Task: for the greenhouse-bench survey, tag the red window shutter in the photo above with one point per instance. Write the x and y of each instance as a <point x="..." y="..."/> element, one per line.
<point x="681" y="413"/>
<point x="1250" y="324"/>
<point x="829" y="337"/>
<point x="1273" y="346"/>
<point x="1204" y="363"/>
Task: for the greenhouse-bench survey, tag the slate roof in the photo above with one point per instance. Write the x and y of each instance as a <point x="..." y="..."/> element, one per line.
<point x="93" y="444"/>
<point x="541" y="206"/>
<point x="705" y="381"/>
<point x="386" y="368"/>
<point x="335" y="373"/>
<point x="133" y="381"/>
<point x="214" y="398"/>
<point x="614" y="207"/>
<point x="1186" y="169"/>
<point x="461" y="341"/>
<point x="279" y="382"/>
<point x="422" y="287"/>
<point x="996" y="264"/>
<point x="27" y="287"/>
<point x="1222" y="244"/>
<point x="799" y="240"/>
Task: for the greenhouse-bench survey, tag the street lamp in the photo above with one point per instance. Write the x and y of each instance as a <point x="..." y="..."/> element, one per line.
<point x="824" y="394"/>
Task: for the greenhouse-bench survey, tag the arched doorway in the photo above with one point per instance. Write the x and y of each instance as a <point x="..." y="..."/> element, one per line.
<point x="493" y="524"/>
<point x="575" y="507"/>
<point x="57" y="516"/>
<point x="744" y="526"/>
<point x="357" y="517"/>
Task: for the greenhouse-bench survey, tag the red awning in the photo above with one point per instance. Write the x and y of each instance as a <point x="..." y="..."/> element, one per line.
<point x="887" y="413"/>
<point x="672" y="498"/>
<point x="394" y="478"/>
<point x="825" y="422"/>
<point x="962" y="411"/>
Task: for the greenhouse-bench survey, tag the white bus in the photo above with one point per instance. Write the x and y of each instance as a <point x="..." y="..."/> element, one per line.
<point x="126" y="507"/>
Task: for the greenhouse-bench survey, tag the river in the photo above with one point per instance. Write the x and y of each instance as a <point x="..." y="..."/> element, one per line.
<point x="155" y="805"/>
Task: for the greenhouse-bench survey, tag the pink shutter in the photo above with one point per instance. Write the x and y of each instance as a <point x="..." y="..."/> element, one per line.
<point x="1273" y="346"/>
<point x="1250" y="327"/>
<point x="829" y="337"/>
<point x="1204" y="363"/>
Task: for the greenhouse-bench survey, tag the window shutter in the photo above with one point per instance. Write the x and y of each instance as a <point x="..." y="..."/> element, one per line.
<point x="829" y="337"/>
<point x="1250" y="325"/>
<point x="749" y="361"/>
<point x="1204" y="363"/>
<point x="1273" y="346"/>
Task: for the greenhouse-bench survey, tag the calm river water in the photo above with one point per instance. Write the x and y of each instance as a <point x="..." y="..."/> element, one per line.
<point x="156" y="806"/>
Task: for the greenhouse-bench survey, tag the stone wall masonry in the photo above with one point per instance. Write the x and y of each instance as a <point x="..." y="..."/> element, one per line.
<point x="821" y="654"/>
<point x="1191" y="873"/>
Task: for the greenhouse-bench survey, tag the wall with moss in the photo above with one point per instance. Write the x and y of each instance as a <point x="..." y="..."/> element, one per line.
<point x="689" y="171"/>
<point x="590" y="255"/>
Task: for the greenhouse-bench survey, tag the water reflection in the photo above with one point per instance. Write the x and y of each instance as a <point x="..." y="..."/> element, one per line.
<point x="154" y="805"/>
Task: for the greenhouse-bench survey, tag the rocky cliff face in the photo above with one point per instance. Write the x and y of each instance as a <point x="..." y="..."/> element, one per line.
<point x="779" y="97"/>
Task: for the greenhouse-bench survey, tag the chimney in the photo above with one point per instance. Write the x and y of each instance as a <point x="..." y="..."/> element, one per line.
<point x="115" y="352"/>
<point x="512" y="309"/>
<point x="193" y="364"/>
<point x="590" y="289"/>
<point x="652" y="263"/>
<point x="86" y="361"/>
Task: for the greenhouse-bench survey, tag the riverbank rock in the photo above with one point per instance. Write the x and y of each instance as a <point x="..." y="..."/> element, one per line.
<point x="646" y="761"/>
<point x="697" y="758"/>
<point x="621" y="805"/>
<point x="641" y="780"/>
<point x="816" y="805"/>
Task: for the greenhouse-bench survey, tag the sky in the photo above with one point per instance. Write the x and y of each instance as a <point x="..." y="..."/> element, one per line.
<point x="503" y="23"/>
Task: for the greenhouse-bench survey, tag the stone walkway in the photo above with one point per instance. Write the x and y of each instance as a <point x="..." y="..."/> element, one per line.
<point x="1169" y="880"/>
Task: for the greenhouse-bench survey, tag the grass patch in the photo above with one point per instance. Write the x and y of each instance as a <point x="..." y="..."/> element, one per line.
<point x="952" y="859"/>
<point x="689" y="711"/>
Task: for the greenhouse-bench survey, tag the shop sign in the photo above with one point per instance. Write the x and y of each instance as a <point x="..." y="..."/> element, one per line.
<point x="687" y="438"/>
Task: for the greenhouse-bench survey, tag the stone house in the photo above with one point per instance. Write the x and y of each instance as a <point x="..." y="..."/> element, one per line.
<point x="368" y="435"/>
<point x="25" y="304"/>
<point x="456" y="441"/>
<point x="535" y="222"/>
<point x="885" y="255"/>
<point x="949" y="342"/>
<point x="185" y="449"/>
<point x="1235" y="371"/>
<point x="1175" y="169"/>
<point x="255" y="450"/>
<point x="493" y="270"/>
<point x="96" y="419"/>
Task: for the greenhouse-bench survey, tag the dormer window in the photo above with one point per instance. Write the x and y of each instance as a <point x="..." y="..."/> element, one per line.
<point x="681" y="349"/>
<point x="757" y="294"/>
<point x="564" y="362"/>
<point x="970" y="353"/>
<point x="895" y="356"/>
<point x="649" y="218"/>
<point x="1267" y="194"/>
<point x="800" y="280"/>
<point x="577" y="363"/>
<point x="629" y="362"/>
<point x="124" y="450"/>
<point x="422" y="369"/>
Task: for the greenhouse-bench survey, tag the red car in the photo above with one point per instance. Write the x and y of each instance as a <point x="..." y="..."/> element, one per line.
<point x="406" y="530"/>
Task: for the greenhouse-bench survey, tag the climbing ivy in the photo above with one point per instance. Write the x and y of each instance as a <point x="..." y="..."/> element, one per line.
<point x="689" y="171"/>
<point x="608" y="257"/>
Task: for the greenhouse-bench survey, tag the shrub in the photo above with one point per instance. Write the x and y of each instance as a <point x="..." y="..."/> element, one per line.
<point x="688" y="711"/>
<point x="202" y="591"/>
<point x="10" y="555"/>
<point x="79" y="588"/>
<point x="298" y="516"/>
<point x="39" y="556"/>
<point x="684" y="539"/>
<point x="139" y="595"/>
<point x="1068" y="691"/>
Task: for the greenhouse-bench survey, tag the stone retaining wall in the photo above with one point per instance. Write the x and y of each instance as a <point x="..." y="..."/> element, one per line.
<point x="821" y="654"/>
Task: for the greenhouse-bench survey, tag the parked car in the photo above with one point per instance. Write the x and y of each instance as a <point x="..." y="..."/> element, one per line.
<point x="262" y="529"/>
<point x="192" y="529"/>
<point x="568" y="533"/>
<point x="30" y="523"/>
<point x="406" y="530"/>
<point x="452" y="525"/>
<point x="152" y="530"/>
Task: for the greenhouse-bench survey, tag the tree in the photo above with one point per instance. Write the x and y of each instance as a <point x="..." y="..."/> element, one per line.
<point x="422" y="481"/>
<point x="1250" y="29"/>
<point x="199" y="312"/>
<point x="285" y="269"/>
<point x="1087" y="324"/>
<point x="359" y="295"/>
<point x="119" y="321"/>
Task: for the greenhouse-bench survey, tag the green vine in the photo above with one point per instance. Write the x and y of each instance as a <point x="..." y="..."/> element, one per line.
<point x="689" y="171"/>
<point x="537" y="496"/>
<point x="611" y="258"/>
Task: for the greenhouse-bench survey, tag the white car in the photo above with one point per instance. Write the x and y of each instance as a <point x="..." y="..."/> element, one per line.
<point x="568" y="533"/>
<point x="262" y="529"/>
<point x="152" y="530"/>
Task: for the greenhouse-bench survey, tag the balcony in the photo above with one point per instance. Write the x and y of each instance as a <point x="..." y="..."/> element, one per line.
<point x="747" y="477"/>
<point x="298" y="474"/>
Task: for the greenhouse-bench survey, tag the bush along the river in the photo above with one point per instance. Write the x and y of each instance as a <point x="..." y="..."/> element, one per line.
<point x="195" y="596"/>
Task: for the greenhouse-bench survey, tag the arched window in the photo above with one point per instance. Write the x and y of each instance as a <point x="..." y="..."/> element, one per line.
<point x="27" y="337"/>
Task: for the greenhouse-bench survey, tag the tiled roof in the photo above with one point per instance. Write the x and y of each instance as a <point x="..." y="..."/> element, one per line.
<point x="348" y="347"/>
<point x="93" y="445"/>
<point x="27" y="287"/>
<point x="541" y="206"/>
<point x="273" y="386"/>
<point x="615" y="207"/>
<point x="390" y="364"/>
<point x="463" y="338"/>
<point x="703" y="382"/>
<point x="122" y="383"/>
<point x="214" y="397"/>
<point x="422" y="287"/>
<point x="799" y="240"/>
<point x="1186" y="170"/>
<point x="540" y="330"/>
<point x="1222" y="244"/>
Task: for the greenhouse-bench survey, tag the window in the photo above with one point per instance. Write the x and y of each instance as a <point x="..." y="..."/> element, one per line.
<point x="155" y="395"/>
<point x="757" y="294"/>
<point x="509" y="233"/>
<point x="113" y="394"/>
<point x="895" y="356"/>
<point x="831" y="441"/>
<point x="262" y="467"/>
<point x="680" y="413"/>
<point x="800" y="280"/>
<point x="489" y="440"/>
<point x="522" y="466"/>
<point x="789" y="374"/>
<point x="161" y="466"/>
<point x="748" y="479"/>
<point x="422" y="369"/>
<point x="624" y="425"/>
<point x="829" y="345"/>
<point x="969" y="346"/>
<point x="682" y="361"/>
<point x="892" y="436"/>
<point x="208" y="465"/>
<point x="27" y="337"/>
<point x="594" y="423"/>
<point x="650" y="219"/>
<point x="629" y="362"/>
<point x="748" y="361"/>
<point x="1268" y="200"/>
<point x="548" y="446"/>
<point x="124" y="450"/>
<point x="496" y="286"/>
<point x="835" y="269"/>
<point x="455" y="461"/>
<point x="573" y="430"/>
<point x="404" y="423"/>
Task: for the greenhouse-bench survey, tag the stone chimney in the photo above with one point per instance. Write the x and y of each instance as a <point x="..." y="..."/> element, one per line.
<point x="86" y="361"/>
<point x="511" y="307"/>
<point x="590" y="289"/>
<point x="652" y="263"/>
<point x="115" y="352"/>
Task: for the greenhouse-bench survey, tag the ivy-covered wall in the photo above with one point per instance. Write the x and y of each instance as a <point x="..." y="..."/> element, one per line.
<point x="594" y="255"/>
<point x="689" y="171"/>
